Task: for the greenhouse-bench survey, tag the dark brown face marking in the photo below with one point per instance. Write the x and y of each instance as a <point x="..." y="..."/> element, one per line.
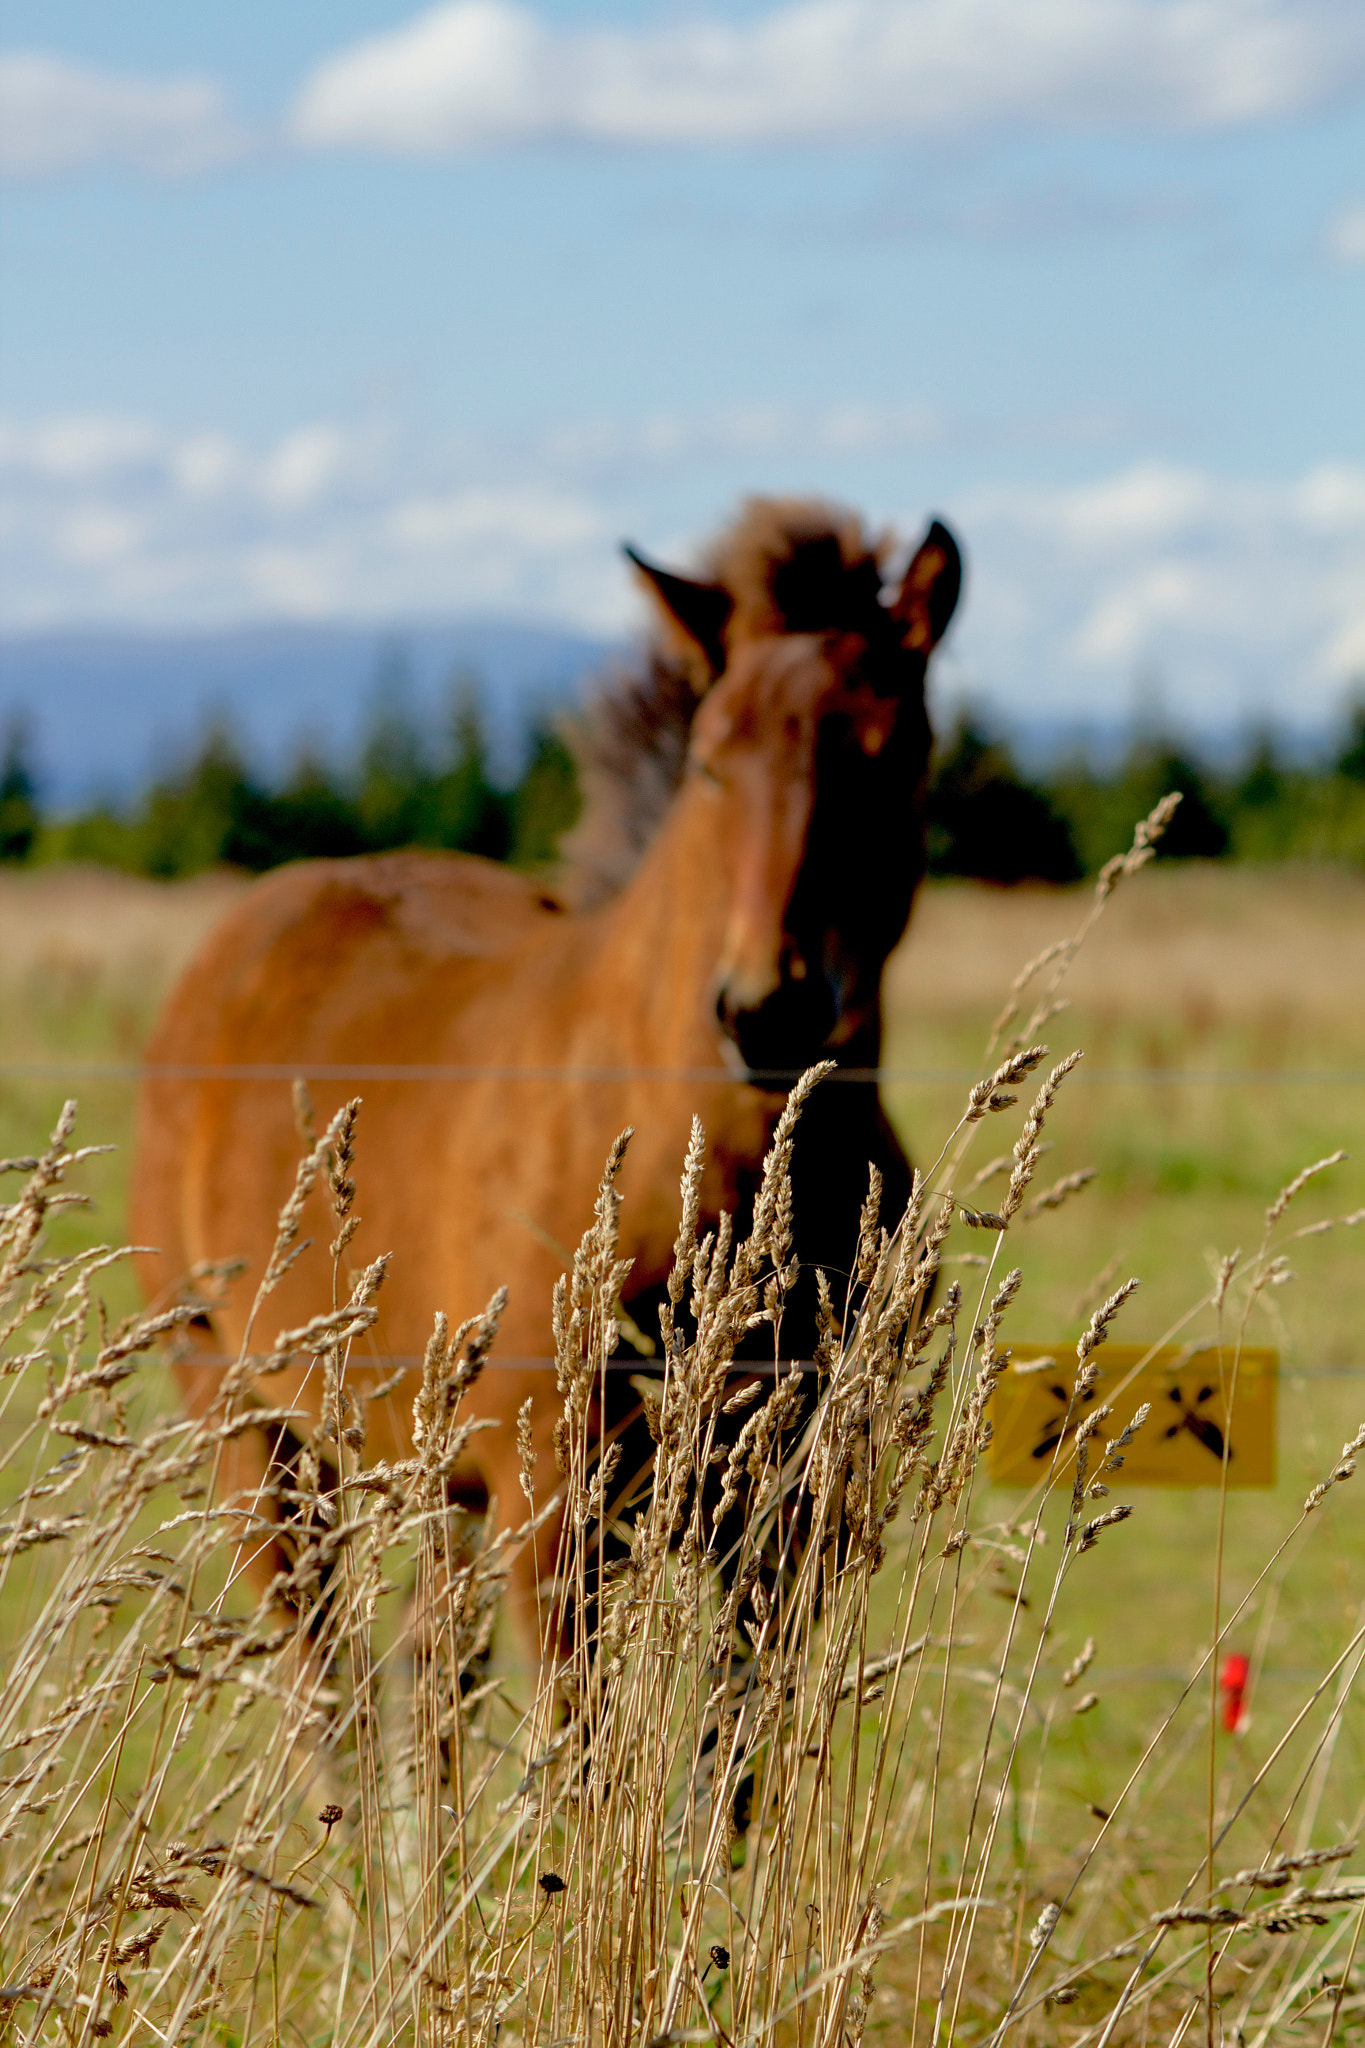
<point x="812" y="762"/>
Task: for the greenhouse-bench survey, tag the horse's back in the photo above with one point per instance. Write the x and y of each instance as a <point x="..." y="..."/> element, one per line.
<point x="303" y="926"/>
<point x="324" y="963"/>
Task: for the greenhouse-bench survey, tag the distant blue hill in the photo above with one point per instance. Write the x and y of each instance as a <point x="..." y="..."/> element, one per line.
<point x="110" y="709"/>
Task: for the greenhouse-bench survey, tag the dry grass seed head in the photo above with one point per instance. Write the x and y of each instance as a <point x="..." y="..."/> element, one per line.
<point x="1060" y="1191"/>
<point x="1080" y="1664"/>
<point x="1344" y="1469"/>
<point x="868" y="1226"/>
<point x="685" y="1244"/>
<point x="1097" y="1329"/>
<point x="1090" y="1534"/>
<point x="1297" y="1185"/>
<point x="1026" y="1151"/>
<point x="285" y="1249"/>
<point x="991" y="1095"/>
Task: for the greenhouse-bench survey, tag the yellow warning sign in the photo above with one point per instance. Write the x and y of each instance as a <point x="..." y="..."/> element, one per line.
<point x="1204" y="1401"/>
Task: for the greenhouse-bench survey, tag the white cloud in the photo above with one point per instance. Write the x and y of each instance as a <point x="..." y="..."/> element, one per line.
<point x="295" y="582"/>
<point x="1347" y="648"/>
<point x="1346" y="234"/>
<point x="524" y="517"/>
<point x="752" y="433"/>
<point x="97" y="534"/>
<point x="468" y="74"/>
<point x="1239" y="593"/>
<point x="1125" y="619"/>
<point x="83" y="449"/>
<point x="56" y="116"/>
<point x="77" y="448"/>
<point x="303" y="466"/>
<point x="205" y="465"/>
<point x="1331" y="498"/>
<point x="114" y="519"/>
<point x="1140" y="503"/>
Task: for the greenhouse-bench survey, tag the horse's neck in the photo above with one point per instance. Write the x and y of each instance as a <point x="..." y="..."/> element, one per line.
<point x="658" y="943"/>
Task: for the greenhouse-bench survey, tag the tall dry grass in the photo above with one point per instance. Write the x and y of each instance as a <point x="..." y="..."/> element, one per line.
<point x="76" y="936"/>
<point x="815" y="1788"/>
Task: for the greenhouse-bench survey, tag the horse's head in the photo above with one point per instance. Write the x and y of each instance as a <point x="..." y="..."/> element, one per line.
<point x="811" y="745"/>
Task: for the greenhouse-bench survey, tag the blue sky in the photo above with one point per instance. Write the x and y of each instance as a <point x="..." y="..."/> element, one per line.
<point x="363" y="311"/>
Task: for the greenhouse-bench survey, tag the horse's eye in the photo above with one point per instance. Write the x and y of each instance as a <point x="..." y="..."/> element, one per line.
<point x="706" y="771"/>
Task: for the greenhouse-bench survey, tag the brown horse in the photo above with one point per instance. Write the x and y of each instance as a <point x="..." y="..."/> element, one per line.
<point x="751" y="843"/>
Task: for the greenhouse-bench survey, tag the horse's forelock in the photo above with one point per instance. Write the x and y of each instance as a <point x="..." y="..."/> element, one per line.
<point x="796" y="565"/>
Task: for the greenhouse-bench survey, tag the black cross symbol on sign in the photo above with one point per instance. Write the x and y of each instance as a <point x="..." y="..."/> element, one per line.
<point x="1055" y="1430"/>
<point x="1200" y="1427"/>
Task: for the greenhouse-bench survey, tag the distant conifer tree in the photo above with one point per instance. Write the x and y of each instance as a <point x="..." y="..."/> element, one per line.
<point x="395" y="769"/>
<point x="546" y="801"/>
<point x="18" y="794"/>
<point x="1262" y="783"/>
<point x="1199" y="830"/>
<point x="462" y="808"/>
<point x="1351" y="760"/>
<point x="195" y="818"/>
<point x="985" y="821"/>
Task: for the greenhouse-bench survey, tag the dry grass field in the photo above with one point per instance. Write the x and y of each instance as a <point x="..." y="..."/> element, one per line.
<point x="86" y="956"/>
<point x="1044" y="1829"/>
<point x="1255" y="975"/>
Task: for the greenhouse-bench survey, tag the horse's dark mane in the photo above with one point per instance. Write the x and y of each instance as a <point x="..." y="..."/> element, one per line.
<point x="629" y="744"/>
<point x="791" y="565"/>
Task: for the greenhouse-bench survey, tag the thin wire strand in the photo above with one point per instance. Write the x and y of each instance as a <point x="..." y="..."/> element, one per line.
<point x="750" y="1368"/>
<point x="309" y="1070"/>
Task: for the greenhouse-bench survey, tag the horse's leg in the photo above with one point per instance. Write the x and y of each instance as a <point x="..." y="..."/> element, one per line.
<point x="246" y="1475"/>
<point x="239" y="1474"/>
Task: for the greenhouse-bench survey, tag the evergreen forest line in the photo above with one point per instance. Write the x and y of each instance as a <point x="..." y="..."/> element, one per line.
<point x="416" y="782"/>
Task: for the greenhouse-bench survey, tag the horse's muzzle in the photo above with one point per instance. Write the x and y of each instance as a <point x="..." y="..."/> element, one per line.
<point x="787" y="1031"/>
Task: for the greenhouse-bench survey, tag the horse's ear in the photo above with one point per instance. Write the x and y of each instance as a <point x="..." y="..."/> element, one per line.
<point x="925" y="601"/>
<point x="699" y="612"/>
